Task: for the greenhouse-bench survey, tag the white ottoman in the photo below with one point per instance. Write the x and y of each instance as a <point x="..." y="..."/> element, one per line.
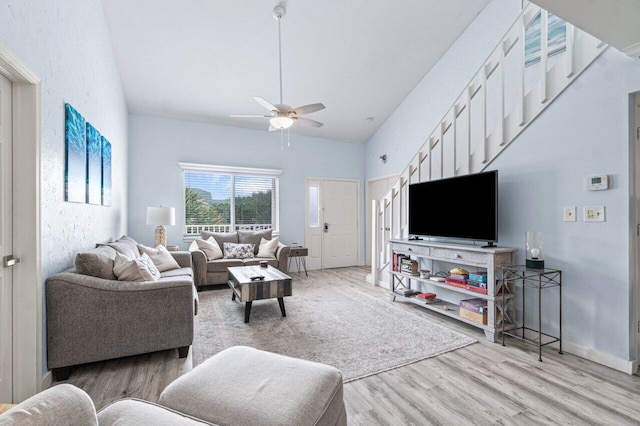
<point x="246" y="386"/>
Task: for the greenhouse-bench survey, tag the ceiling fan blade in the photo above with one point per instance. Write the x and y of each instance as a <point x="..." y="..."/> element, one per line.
<point x="307" y="109"/>
<point x="265" y="103"/>
<point x="249" y="116"/>
<point x="309" y="122"/>
<point x="273" y="129"/>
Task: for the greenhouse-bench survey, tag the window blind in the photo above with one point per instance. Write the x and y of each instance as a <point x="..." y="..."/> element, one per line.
<point x="224" y="202"/>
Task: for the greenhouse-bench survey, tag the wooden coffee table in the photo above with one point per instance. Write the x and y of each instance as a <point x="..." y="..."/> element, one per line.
<point x="276" y="284"/>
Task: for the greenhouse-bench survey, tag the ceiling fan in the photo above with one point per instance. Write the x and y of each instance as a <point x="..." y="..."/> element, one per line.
<point x="282" y="116"/>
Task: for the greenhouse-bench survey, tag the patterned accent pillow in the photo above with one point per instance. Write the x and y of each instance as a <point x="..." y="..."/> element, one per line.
<point x="238" y="251"/>
<point x="138" y="269"/>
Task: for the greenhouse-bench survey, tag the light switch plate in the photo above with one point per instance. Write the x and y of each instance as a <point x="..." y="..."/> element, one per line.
<point x="570" y="214"/>
<point x="594" y="214"/>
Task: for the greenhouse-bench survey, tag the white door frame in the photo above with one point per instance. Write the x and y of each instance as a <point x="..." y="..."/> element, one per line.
<point x="634" y="250"/>
<point x="369" y="212"/>
<point x="306" y="209"/>
<point x="28" y="286"/>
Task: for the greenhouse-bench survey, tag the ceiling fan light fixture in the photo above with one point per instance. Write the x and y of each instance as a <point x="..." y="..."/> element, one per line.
<point x="281" y="122"/>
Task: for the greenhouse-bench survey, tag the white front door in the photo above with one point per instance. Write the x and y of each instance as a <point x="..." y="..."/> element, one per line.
<point x="340" y="226"/>
<point x="332" y="223"/>
<point x="332" y="231"/>
<point x="6" y="244"/>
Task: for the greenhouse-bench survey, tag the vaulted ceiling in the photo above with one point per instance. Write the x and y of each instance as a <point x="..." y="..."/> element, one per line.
<point x="203" y="60"/>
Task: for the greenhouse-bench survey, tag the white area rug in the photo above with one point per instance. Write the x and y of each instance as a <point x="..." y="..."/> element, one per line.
<point x="329" y="320"/>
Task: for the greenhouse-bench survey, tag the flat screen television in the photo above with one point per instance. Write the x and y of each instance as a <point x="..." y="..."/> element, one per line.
<point x="463" y="207"/>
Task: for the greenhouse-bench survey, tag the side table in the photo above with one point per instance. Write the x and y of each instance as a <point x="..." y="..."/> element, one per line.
<point x="538" y="279"/>
<point x="300" y="254"/>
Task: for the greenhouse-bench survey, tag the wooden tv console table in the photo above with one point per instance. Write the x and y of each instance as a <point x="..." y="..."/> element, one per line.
<point x="491" y="259"/>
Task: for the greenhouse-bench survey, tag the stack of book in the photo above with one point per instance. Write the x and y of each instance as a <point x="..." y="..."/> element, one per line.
<point x="406" y="292"/>
<point x="477" y="282"/>
<point x="474" y="310"/>
<point x="427" y="297"/>
<point x="457" y="280"/>
<point x="408" y="266"/>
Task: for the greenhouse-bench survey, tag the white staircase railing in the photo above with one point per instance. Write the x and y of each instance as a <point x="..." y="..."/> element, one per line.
<point x="508" y="92"/>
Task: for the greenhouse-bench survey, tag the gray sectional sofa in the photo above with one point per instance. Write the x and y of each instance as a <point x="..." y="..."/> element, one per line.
<point x="211" y="272"/>
<point x="91" y="316"/>
<point x="238" y="386"/>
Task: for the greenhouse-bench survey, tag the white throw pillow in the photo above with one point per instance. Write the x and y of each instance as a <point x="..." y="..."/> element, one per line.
<point x="160" y="257"/>
<point x="268" y="247"/>
<point x="138" y="269"/>
<point x="211" y="248"/>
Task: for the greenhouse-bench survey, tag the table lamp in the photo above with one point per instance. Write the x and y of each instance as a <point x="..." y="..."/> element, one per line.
<point x="161" y="216"/>
<point x="535" y="250"/>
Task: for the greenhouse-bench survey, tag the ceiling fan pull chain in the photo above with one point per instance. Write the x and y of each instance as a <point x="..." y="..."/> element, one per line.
<point x="281" y="141"/>
<point x="288" y="138"/>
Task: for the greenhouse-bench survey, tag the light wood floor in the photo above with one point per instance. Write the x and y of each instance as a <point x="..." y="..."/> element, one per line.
<point x="484" y="383"/>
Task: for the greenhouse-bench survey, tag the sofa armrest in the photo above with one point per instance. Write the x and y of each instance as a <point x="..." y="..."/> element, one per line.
<point x="199" y="260"/>
<point x="62" y="404"/>
<point x="92" y="319"/>
<point x="183" y="258"/>
<point x="282" y="254"/>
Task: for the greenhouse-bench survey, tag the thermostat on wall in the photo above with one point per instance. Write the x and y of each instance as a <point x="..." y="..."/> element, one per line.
<point x="597" y="182"/>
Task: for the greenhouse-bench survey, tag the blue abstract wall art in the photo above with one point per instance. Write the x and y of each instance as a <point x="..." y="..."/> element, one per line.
<point x="75" y="176"/>
<point x="106" y="172"/>
<point x="556" y="38"/>
<point x="94" y="165"/>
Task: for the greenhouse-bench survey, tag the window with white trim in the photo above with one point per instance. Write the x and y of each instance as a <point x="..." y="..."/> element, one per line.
<point x="225" y="199"/>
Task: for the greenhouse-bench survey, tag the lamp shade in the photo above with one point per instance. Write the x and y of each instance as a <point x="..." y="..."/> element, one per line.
<point x="161" y="216"/>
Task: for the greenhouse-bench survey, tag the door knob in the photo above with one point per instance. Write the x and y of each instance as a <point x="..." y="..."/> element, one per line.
<point x="326" y="227"/>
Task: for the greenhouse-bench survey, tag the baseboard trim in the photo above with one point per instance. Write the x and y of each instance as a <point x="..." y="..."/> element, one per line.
<point x="47" y="381"/>
<point x="608" y="360"/>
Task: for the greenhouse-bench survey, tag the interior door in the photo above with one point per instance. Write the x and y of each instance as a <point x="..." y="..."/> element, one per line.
<point x="332" y="226"/>
<point x="6" y="244"/>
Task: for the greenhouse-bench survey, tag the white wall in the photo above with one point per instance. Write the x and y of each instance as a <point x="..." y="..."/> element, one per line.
<point x="66" y="44"/>
<point x="404" y="132"/>
<point x="158" y="144"/>
<point x="585" y="131"/>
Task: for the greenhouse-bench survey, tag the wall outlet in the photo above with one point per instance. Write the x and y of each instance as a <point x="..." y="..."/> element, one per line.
<point x="594" y="214"/>
<point x="570" y="214"/>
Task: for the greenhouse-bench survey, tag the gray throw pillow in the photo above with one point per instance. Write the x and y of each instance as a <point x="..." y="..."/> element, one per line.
<point x="254" y="237"/>
<point x="97" y="263"/>
<point x="127" y="246"/>
<point x="238" y="251"/>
